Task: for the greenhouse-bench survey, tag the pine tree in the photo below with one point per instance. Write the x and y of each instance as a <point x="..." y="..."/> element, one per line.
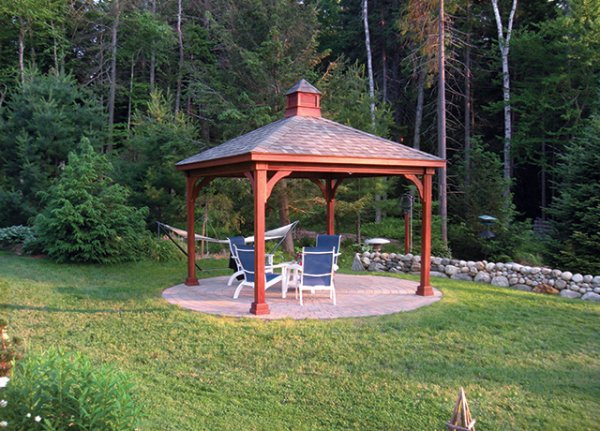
<point x="87" y="218"/>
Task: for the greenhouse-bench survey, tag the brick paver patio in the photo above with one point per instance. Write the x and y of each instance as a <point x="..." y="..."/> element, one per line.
<point x="357" y="295"/>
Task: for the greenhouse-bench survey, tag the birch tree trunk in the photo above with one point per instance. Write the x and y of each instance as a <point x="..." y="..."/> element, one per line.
<point x="441" y="111"/>
<point x="21" y="50"/>
<point x="180" y="68"/>
<point x="114" y="32"/>
<point x="369" y="60"/>
<point x="504" y="46"/>
<point x="284" y="216"/>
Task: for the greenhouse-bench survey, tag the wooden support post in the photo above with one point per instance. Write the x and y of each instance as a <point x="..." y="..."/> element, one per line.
<point x="425" y="288"/>
<point x="330" y="197"/>
<point x="407" y="238"/>
<point x="259" y="306"/>
<point x="191" y="194"/>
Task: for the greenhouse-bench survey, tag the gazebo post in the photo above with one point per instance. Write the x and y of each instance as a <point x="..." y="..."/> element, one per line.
<point x="425" y="288"/>
<point x="330" y="197"/>
<point x="259" y="306"/>
<point x="190" y="194"/>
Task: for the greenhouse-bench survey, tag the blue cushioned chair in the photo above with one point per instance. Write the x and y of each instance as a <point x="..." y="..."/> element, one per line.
<point x="246" y="257"/>
<point x="328" y="241"/>
<point x="317" y="271"/>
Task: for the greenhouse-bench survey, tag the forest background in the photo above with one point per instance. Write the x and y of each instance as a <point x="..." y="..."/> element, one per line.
<point x="99" y="100"/>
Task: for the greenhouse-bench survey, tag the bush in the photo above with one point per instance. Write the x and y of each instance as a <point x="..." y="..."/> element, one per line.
<point x="15" y="236"/>
<point x="87" y="218"/>
<point x="60" y="391"/>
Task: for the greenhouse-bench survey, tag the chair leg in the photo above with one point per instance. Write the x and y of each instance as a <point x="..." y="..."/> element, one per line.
<point x="233" y="277"/>
<point x="238" y="290"/>
<point x="333" y="292"/>
<point x="300" y="289"/>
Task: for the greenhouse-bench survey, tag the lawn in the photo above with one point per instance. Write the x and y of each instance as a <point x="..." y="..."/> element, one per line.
<point x="526" y="361"/>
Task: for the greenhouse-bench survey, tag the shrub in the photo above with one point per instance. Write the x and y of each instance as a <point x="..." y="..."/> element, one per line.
<point x="66" y="391"/>
<point x="87" y="218"/>
<point x="15" y="235"/>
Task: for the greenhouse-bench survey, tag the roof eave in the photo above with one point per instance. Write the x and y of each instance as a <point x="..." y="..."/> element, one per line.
<point x="305" y="158"/>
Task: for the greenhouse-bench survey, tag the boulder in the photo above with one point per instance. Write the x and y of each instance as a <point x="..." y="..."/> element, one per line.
<point x="596" y="279"/>
<point x="560" y="284"/>
<point x="566" y="276"/>
<point x="577" y="278"/>
<point x="462" y="276"/>
<point x="588" y="278"/>
<point x="545" y="288"/>
<point x="570" y="294"/>
<point x="451" y="270"/>
<point x="483" y="277"/>
<point x="357" y="263"/>
<point x="500" y="281"/>
<point x="522" y="287"/>
<point x="438" y="274"/>
<point x="591" y="296"/>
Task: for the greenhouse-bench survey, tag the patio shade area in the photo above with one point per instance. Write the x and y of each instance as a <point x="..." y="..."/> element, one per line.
<point x="357" y="296"/>
<point x="303" y="145"/>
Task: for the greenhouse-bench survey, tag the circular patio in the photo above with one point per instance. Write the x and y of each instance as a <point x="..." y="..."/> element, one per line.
<point x="357" y="296"/>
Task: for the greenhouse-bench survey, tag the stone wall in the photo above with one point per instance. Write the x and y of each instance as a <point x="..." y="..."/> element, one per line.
<point x="513" y="275"/>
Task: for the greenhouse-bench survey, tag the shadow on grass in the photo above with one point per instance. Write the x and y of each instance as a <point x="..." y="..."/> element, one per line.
<point x="78" y="310"/>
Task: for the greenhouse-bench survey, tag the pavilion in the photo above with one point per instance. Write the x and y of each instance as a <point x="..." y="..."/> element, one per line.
<point x="305" y="145"/>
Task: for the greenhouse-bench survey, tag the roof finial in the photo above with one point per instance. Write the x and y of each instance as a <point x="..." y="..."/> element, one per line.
<point x="303" y="99"/>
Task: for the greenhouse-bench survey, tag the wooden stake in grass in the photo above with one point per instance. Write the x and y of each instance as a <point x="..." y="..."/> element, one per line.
<point x="461" y="417"/>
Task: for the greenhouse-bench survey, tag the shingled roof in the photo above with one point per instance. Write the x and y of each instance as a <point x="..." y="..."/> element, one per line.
<point x="303" y="132"/>
<point x="310" y="136"/>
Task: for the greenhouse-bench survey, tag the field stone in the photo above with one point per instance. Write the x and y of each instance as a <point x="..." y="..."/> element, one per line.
<point x="438" y="274"/>
<point x="464" y="269"/>
<point x="483" y="277"/>
<point x="596" y="279"/>
<point x="357" y="263"/>
<point x="591" y="296"/>
<point x="596" y="289"/>
<point x="577" y="278"/>
<point x="566" y="276"/>
<point x="462" y="276"/>
<point x="500" y="281"/>
<point x="513" y="281"/>
<point x="560" y="284"/>
<point x="490" y="266"/>
<point x="451" y="270"/>
<point x="587" y="279"/>
<point x="536" y="270"/>
<point x="570" y="294"/>
<point x="522" y="287"/>
<point x="366" y="260"/>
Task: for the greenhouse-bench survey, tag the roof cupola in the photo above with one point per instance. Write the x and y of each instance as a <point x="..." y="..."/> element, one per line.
<point x="303" y="99"/>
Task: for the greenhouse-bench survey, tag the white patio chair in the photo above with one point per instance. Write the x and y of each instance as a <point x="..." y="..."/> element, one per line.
<point x="246" y="257"/>
<point x="317" y="271"/>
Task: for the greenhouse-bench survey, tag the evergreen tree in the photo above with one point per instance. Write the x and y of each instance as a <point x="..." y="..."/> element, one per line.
<point x="41" y="124"/>
<point x="87" y="218"/>
<point x="160" y="139"/>
<point x="576" y="209"/>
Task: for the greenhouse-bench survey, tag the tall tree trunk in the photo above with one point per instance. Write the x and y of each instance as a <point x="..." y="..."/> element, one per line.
<point x="153" y="56"/>
<point x="369" y="61"/>
<point x="419" y="108"/>
<point x="544" y="190"/>
<point x="131" y="76"/>
<point x="284" y="216"/>
<point x="504" y="46"/>
<point x="441" y="111"/>
<point x="365" y="13"/>
<point x="114" y="33"/>
<point x="468" y="98"/>
<point x="180" y="67"/>
<point x="384" y="65"/>
<point x="22" y="50"/>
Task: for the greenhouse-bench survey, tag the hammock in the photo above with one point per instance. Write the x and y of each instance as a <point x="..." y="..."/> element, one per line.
<point x="278" y="233"/>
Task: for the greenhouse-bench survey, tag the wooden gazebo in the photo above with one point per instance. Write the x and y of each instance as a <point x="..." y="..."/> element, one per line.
<point x="305" y="145"/>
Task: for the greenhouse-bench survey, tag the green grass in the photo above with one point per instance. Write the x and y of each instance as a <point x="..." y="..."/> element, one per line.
<point x="527" y="362"/>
